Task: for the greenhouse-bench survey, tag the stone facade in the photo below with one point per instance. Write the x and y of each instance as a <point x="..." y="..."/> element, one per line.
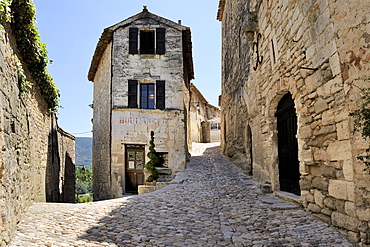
<point x="25" y="130"/>
<point x="123" y="113"/>
<point x="308" y="51"/>
<point x="204" y="118"/>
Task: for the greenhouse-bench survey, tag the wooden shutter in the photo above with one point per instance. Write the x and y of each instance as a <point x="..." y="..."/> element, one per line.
<point x="133" y="40"/>
<point x="160" y="95"/>
<point x="132" y="94"/>
<point x="161" y="40"/>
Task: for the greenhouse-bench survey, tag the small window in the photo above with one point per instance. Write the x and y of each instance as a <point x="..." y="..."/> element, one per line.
<point x="147" y="97"/>
<point x="152" y="96"/>
<point x="151" y="41"/>
<point x="147" y="42"/>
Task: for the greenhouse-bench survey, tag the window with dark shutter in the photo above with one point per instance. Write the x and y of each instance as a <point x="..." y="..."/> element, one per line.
<point x="161" y="40"/>
<point x="146" y="42"/>
<point x="160" y="95"/>
<point x="147" y="96"/>
<point x="133" y="41"/>
<point x="132" y="94"/>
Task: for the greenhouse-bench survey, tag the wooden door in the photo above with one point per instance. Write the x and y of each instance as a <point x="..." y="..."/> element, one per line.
<point x="135" y="163"/>
<point x="288" y="146"/>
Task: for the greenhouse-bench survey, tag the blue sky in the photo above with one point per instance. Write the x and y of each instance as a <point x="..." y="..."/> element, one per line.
<point x="72" y="28"/>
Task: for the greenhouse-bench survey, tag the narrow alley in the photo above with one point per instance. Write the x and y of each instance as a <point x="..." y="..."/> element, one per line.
<point x="216" y="206"/>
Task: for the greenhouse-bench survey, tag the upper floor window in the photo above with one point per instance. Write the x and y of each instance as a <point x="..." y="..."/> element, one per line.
<point x="151" y="96"/>
<point x="147" y="41"/>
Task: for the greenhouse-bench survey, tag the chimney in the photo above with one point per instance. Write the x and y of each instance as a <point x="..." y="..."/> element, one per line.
<point x="145" y="9"/>
<point x="179" y="22"/>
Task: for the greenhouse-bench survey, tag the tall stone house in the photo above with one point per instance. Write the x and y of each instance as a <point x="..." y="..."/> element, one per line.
<point x="37" y="156"/>
<point x="141" y="70"/>
<point x="287" y="69"/>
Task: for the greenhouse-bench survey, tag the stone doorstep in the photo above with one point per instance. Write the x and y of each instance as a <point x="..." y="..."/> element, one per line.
<point x="277" y="203"/>
<point x="286" y="196"/>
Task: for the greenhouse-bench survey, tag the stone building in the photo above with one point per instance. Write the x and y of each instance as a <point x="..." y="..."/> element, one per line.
<point x="204" y="118"/>
<point x="141" y="71"/>
<point x="28" y="154"/>
<point x="286" y="98"/>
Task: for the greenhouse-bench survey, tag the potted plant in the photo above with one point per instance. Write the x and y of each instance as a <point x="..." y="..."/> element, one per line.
<point x="154" y="161"/>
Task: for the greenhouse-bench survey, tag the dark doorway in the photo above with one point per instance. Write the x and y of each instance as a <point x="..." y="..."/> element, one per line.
<point x="288" y="146"/>
<point x="135" y="159"/>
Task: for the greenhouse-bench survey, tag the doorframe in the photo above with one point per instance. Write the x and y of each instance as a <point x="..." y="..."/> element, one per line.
<point x="125" y="148"/>
<point x="294" y="135"/>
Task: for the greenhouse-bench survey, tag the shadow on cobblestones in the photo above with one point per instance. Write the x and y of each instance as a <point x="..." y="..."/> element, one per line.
<point x="217" y="206"/>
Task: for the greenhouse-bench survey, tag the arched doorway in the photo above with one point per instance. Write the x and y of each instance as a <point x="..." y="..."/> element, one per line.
<point x="288" y="146"/>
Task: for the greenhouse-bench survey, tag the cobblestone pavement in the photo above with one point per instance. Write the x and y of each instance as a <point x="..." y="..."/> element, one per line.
<point x="217" y="206"/>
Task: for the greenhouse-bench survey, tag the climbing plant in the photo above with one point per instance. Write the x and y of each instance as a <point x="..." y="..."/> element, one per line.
<point x="361" y="118"/>
<point x="154" y="161"/>
<point x="21" y="14"/>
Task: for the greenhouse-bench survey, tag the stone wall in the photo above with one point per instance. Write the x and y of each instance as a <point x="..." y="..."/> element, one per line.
<point x="101" y="128"/>
<point x="311" y="49"/>
<point x="31" y="142"/>
<point x="67" y="181"/>
<point x="24" y="130"/>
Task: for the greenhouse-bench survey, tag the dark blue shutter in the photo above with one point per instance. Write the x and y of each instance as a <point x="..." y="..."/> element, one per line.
<point x="161" y="40"/>
<point x="133" y="41"/>
<point x="160" y="95"/>
<point x="132" y="93"/>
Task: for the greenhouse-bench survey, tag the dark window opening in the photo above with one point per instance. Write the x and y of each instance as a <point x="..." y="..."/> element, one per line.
<point x="163" y="157"/>
<point x="147" y="42"/>
<point x="147" y="96"/>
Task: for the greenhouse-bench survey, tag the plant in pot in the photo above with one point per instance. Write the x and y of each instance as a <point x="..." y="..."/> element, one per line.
<point x="154" y="162"/>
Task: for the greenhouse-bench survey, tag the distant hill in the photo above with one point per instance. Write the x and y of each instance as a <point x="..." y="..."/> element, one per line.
<point x="83" y="151"/>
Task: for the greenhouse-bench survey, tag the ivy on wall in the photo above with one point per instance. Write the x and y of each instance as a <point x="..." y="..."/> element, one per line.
<point x="22" y="17"/>
<point x="361" y="118"/>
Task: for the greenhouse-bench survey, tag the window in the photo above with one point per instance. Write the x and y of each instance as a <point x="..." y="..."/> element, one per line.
<point x="147" y="96"/>
<point x="152" y="96"/>
<point x="151" y="41"/>
<point x="147" y="42"/>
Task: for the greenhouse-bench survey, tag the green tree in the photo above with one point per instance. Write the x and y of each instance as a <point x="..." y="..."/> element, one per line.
<point x="83" y="180"/>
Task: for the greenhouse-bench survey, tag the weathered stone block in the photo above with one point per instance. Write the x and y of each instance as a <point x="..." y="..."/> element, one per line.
<point x="319" y="198"/>
<point x="340" y="150"/>
<point x="350" y="209"/>
<point x="326" y="211"/>
<point x="328" y="171"/>
<point x="363" y="214"/>
<point x="345" y="221"/>
<point x="314" y="208"/>
<point x="320" y="106"/>
<point x="320" y="183"/>
<point x="343" y="130"/>
<point x="330" y="203"/>
<point x="340" y="206"/>
<point x="338" y="189"/>
<point x="304" y="184"/>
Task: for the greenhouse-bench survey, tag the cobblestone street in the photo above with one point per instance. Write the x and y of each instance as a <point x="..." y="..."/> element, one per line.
<point x="216" y="206"/>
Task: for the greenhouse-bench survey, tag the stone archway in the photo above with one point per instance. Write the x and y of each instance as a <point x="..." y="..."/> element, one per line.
<point x="288" y="145"/>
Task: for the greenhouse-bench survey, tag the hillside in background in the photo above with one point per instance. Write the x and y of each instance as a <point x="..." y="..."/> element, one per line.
<point x="83" y="151"/>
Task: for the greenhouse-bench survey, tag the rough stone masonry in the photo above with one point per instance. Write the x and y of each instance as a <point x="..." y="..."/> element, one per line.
<point x="309" y="51"/>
